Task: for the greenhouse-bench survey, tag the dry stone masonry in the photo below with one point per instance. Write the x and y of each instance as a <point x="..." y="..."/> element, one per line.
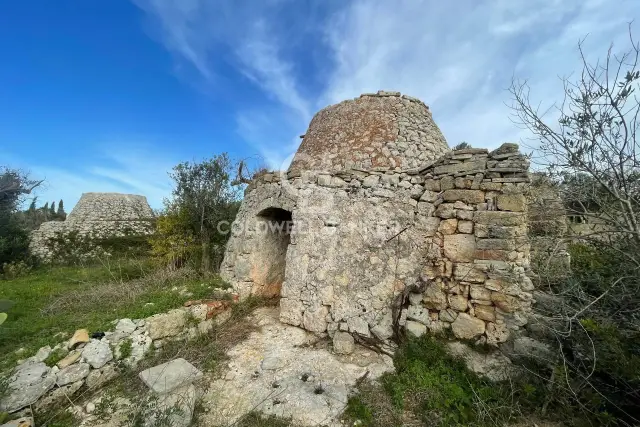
<point x="378" y="225"/>
<point x="98" y="215"/>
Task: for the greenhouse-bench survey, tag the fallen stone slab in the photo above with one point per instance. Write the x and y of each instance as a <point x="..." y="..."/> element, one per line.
<point x="29" y="382"/>
<point x="69" y="359"/>
<point x="170" y="376"/>
<point x="72" y="373"/>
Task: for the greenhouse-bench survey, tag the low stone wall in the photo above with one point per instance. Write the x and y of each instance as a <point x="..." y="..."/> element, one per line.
<point x="95" y="216"/>
<point x="453" y="233"/>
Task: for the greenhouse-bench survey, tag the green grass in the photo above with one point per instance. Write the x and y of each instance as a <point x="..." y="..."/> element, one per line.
<point x="429" y="387"/>
<point x="53" y="300"/>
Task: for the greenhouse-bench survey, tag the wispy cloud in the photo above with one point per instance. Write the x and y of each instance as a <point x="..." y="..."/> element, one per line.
<point x="458" y="57"/>
<point x="122" y="169"/>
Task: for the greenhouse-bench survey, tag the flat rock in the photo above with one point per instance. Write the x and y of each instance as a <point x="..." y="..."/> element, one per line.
<point x="58" y="396"/>
<point x="125" y="326"/>
<point x="69" y="359"/>
<point x="311" y="387"/>
<point x="72" y="373"/>
<point x="166" y="324"/>
<point x="99" y="377"/>
<point x="79" y="337"/>
<point x="20" y="422"/>
<point x="97" y="353"/>
<point x="466" y="327"/>
<point x="178" y="404"/>
<point x="29" y="382"/>
<point x="169" y="376"/>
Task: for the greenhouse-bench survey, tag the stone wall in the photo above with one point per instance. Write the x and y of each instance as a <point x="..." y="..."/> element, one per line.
<point x="375" y="130"/>
<point x="97" y="215"/>
<point x="453" y="231"/>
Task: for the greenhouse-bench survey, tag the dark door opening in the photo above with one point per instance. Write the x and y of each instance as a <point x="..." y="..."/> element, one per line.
<point x="273" y="228"/>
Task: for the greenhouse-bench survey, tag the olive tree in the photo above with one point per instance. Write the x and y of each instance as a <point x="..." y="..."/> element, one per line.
<point x="204" y="195"/>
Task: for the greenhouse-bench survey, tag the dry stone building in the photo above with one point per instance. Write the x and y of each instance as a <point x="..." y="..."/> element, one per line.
<point x="378" y="225"/>
<point x="96" y="215"/>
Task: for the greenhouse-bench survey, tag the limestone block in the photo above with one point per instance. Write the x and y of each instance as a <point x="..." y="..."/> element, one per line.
<point x="445" y="210"/>
<point x="418" y="313"/>
<point x="500" y="244"/>
<point x="343" y="343"/>
<point x="480" y="292"/>
<point x="448" y="226"/>
<point x="467" y="327"/>
<point x="415" y="328"/>
<point x="499" y="218"/>
<point x="434" y="297"/>
<point x="166" y="324"/>
<point x="460" y="247"/>
<point x="371" y="181"/>
<point x="448" y="315"/>
<point x="496" y="333"/>
<point x="97" y="353"/>
<point x="465" y="227"/>
<point x="467" y="196"/>
<point x="485" y="312"/>
<point x="291" y="311"/>
<point x="315" y="320"/>
<point x="469" y="166"/>
<point x="506" y="303"/>
<point x="432" y="184"/>
<point x="72" y="373"/>
<point x="468" y="272"/>
<point x="458" y="302"/>
<point x="446" y="183"/>
<point x="429" y="196"/>
<point x="511" y="202"/>
<point x="170" y="375"/>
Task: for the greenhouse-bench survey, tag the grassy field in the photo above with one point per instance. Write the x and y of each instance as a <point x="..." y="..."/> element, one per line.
<point x="59" y="300"/>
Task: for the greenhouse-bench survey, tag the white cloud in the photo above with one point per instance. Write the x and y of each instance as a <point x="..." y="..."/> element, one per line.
<point x="132" y="169"/>
<point x="459" y="57"/>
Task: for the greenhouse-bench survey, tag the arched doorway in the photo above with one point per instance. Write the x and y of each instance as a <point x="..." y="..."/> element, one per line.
<point x="273" y="230"/>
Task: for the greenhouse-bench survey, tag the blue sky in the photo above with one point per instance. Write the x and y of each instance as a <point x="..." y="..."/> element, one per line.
<point x="109" y="95"/>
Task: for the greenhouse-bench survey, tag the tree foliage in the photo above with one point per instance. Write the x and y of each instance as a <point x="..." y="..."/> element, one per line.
<point x="15" y="186"/>
<point x="202" y="198"/>
<point x="591" y="153"/>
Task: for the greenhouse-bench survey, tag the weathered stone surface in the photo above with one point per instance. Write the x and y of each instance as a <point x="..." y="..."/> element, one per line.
<point x="20" y="422"/>
<point x="448" y="226"/>
<point x="415" y="328"/>
<point x="467" y="327"/>
<point x="467" y="196"/>
<point x="81" y="336"/>
<point x="485" y="312"/>
<point x="511" y="202"/>
<point x="306" y="367"/>
<point x="72" y="373"/>
<point x="174" y="409"/>
<point x="434" y="297"/>
<point x="448" y="315"/>
<point x="343" y="343"/>
<point x="316" y="320"/>
<point x="467" y="272"/>
<point x="496" y="334"/>
<point x="29" y="382"/>
<point x="96" y="215"/>
<point x="97" y="353"/>
<point x="493" y="365"/>
<point x="125" y="326"/>
<point x="419" y="314"/>
<point x="69" y="359"/>
<point x="458" y="302"/>
<point x="99" y="377"/>
<point x="465" y="227"/>
<point x="58" y="396"/>
<point x="166" y="324"/>
<point x="460" y="247"/>
<point x="169" y="376"/>
<point x="499" y="218"/>
<point x="460" y="167"/>
<point x="42" y="354"/>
